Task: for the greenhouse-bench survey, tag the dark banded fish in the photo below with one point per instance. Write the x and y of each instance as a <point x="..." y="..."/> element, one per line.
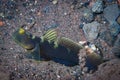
<point x="49" y="47"/>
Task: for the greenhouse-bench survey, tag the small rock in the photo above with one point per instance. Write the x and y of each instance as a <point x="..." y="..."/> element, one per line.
<point x="85" y="4"/>
<point x="116" y="48"/>
<point x="87" y="16"/>
<point x="81" y="26"/>
<point x="107" y="37"/>
<point x="58" y="76"/>
<point x="82" y="42"/>
<point x="85" y="69"/>
<point x="46" y="9"/>
<point x="91" y="30"/>
<point x="55" y="1"/>
<point x="39" y="30"/>
<point x="2" y="15"/>
<point x="1" y="23"/>
<point x="114" y="29"/>
<point x="111" y="12"/>
<point x="30" y="20"/>
<point x="35" y="2"/>
<point x="9" y="17"/>
<point x="118" y="19"/>
<point x="109" y="0"/>
<point x="65" y="13"/>
<point x="54" y="25"/>
<point x="98" y="18"/>
<point x="98" y="6"/>
<point x="11" y="48"/>
<point x="25" y="4"/>
<point x="93" y="47"/>
<point x="80" y="3"/>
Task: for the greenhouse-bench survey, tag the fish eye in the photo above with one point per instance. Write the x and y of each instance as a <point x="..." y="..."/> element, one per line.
<point x="21" y="31"/>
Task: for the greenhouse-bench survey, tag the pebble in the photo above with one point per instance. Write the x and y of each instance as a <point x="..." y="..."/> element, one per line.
<point x="109" y="0"/>
<point x="58" y="76"/>
<point x="1" y="40"/>
<point x="25" y="4"/>
<point x="93" y="47"/>
<point x="111" y="12"/>
<point x="29" y="19"/>
<point x="39" y="30"/>
<point x="10" y="17"/>
<point x="114" y="28"/>
<point x="35" y="2"/>
<point x="55" y="1"/>
<point x="1" y="23"/>
<point x="21" y="14"/>
<point x="11" y="48"/>
<point x="107" y="37"/>
<point x="2" y="15"/>
<point x="33" y="10"/>
<point x="85" y="69"/>
<point x="98" y="6"/>
<point x="54" y="25"/>
<point x="26" y="28"/>
<point x="78" y="4"/>
<point x="81" y="26"/>
<point x="87" y="16"/>
<point x="82" y="42"/>
<point x="116" y="48"/>
<point x="46" y="9"/>
<point x="65" y="13"/>
<point x="91" y="30"/>
<point x="118" y="19"/>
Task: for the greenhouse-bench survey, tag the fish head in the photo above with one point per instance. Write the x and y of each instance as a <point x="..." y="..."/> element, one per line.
<point x="24" y="39"/>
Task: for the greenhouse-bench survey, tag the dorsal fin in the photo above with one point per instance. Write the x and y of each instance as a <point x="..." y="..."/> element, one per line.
<point x="50" y="36"/>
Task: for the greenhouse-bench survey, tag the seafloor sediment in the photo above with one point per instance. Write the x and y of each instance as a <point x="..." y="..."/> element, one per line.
<point x="94" y="21"/>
